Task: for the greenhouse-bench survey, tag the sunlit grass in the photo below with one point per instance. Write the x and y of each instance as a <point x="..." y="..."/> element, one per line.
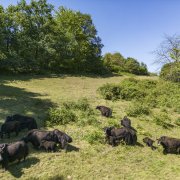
<point x="34" y="95"/>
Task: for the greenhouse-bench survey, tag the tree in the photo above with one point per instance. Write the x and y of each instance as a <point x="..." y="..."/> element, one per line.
<point x="114" y="62"/>
<point x="169" y="50"/>
<point x="117" y="63"/>
<point x="168" y="54"/>
<point x="82" y="47"/>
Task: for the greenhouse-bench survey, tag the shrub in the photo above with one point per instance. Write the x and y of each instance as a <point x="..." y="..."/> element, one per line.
<point x="61" y="116"/>
<point x="138" y="109"/>
<point x="110" y="91"/>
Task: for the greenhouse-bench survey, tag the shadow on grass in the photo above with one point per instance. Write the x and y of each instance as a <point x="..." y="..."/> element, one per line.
<point x="72" y="148"/>
<point x="25" y="77"/>
<point x="16" y="169"/>
<point x="139" y="144"/>
<point x="14" y="100"/>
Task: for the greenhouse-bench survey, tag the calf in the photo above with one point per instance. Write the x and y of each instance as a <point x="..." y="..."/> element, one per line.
<point x="11" y="152"/>
<point x="25" y="121"/>
<point x="48" y="145"/>
<point x="149" y="142"/>
<point x="8" y="127"/>
<point x="170" y="145"/>
<point x="105" y="111"/>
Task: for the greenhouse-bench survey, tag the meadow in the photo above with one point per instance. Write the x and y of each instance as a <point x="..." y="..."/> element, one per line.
<point x="88" y="156"/>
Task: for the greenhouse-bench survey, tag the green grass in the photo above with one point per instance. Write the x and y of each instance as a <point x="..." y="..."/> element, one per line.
<point x="33" y="95"/>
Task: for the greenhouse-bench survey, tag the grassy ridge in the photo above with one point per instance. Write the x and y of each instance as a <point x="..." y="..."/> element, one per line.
<point x="34" y="95"/>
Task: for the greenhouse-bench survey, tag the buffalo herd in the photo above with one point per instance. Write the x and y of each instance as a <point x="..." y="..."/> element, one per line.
<point x="50" y="140"/>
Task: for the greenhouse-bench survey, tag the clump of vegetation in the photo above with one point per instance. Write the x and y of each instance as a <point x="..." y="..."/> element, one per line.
<point x="110" y="91"/>
<point x="80" y="112"/>
<point x="60" y="116"/>
<point x="117" y="63"/>
<point x="153" y="93"/>
<point x="138" y="109"/>
<point x="94" y="137"/>
<point x="162" y="119"/>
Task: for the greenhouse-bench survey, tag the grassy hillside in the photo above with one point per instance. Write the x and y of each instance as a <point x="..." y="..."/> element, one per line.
<point x="86" y="159"/>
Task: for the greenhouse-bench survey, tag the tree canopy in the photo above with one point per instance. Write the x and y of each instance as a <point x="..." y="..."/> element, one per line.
<point x="35" y="38"/>
<point x="117" y="63"/>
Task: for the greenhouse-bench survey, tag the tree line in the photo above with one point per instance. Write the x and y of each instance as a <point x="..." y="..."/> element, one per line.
<point x="36" y="38"/>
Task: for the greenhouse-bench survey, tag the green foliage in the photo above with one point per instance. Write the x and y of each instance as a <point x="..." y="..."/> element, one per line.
<point x="94" y="137"/>
<point x="162" y="119"/>
<point x="60" y="116"/>
<point x="128" y="89"/>
<point x="171" y="72"/>
<point x="138" y="109"/>
<point x="117" y="63"/>
<point x="110" y="91"/>
<point x="35" y="39"/>
<point x="152" y="93"/>
<point x="80" y="112"/>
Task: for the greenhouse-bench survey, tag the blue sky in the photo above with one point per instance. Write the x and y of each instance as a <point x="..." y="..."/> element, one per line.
<point x="132" y="27"/>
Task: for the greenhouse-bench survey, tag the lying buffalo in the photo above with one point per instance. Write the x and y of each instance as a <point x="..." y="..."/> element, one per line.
<point x="117" y="134"/>
<point x="9" y="127"/>
<point x="105" y="111"/>
<point x="25" y="121"/>
<point x="11" y="152"/>
<point x="170" y="145"/>
<point x="35" y="136"/>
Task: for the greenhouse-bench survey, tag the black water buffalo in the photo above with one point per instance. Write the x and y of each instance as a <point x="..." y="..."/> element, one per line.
<point x="11" y="152"/>
<point x="105" y="111"/>
<point x="35" y="136"/>
<point x="9" y="127"/>
<point x="126" y="122"/>
<point x="149" y="142"/>
<point x="48" y="145"/>
<point x="117" y="134"/>
<point x="25" y="121"/>
<point x="170" y="145"/>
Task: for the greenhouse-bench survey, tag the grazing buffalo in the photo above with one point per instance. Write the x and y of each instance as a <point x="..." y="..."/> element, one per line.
<point x="25" y="121"/>
<point x="105" y="111"/>
<point x="11" y="152"/>
<point x="48" y="145"/>
<point x="149" y="142"/>
<point x="170" y="145"/>
<point x="9" y="127"/>
<point x="117" y="134"/>
<point x="126" y="122"/>
<point x="35" y="136"/>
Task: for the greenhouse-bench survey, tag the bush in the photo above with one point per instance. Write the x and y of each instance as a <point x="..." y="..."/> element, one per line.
<point x="150" y="92"/>
<point x="138" y="109"/>
<point x="80" y="112"/>
<point x="128" y="89"/>
<point x="61" y="116"/>
<point x="110" y="91"/>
